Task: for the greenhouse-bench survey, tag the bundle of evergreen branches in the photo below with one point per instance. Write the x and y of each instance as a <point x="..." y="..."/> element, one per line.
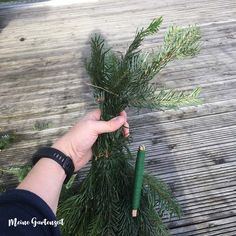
<point x="101" y="204"/>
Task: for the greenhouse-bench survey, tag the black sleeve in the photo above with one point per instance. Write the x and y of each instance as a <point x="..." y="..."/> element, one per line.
<point x="24" y="213"/>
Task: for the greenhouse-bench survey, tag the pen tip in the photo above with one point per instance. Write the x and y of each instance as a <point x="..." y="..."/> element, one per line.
<point x="142" y="147"/>
<point x="134" y="213"/>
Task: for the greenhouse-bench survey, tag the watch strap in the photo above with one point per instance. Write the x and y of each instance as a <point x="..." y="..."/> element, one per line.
<point x="64" y="161"/>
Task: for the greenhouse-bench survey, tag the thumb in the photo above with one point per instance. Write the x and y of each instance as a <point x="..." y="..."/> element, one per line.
<point x="109" y="126"/>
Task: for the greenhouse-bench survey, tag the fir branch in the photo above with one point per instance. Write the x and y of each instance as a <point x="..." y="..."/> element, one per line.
<point x="151" y="29"/>
<point x="178" y="43"/>
<point x="152" y="224"/>
<point x="41" y="125"/>
<point x="95" y="86"/>
<point x="2" y="189"/>
<point x="164" y="200"/>
<point x="94" y="227"/>
<point x="20" y="172"/>
<point x="6" y="139"/>
<point x="96" y="65"/>
<point x="70" y="182"/>
<point x="165" y="99"/>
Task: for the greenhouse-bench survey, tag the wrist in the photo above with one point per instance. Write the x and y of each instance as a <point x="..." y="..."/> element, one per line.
<point x="64" y="148"/>
<point x="54" y="167"/>
<point x="58" y="156"/>
<point x="45" y="179"/>
<point x="78" y="158"/>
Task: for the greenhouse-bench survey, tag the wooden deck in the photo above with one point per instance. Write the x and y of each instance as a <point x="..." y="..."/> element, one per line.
<point x="192" y="149"/>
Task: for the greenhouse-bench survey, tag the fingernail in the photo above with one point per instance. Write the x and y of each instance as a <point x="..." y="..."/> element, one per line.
<point x="119" y="118"/>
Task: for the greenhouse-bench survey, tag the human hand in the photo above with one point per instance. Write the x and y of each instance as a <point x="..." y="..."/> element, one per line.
<point x="78" y="141"/>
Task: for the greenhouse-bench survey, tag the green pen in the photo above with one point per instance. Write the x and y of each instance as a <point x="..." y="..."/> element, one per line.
<point x="138" y="180"/>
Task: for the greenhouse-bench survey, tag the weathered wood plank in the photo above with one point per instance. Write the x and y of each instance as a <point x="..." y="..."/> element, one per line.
<point x="192" y="149"/>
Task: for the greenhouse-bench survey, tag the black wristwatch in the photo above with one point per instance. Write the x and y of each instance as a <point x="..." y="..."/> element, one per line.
<point x="58" y="156"/>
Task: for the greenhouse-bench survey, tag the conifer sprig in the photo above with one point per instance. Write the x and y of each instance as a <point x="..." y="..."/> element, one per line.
<point x="141" y="34"/>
